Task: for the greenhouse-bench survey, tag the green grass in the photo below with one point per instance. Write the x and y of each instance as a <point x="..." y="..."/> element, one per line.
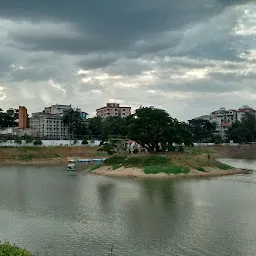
<point x="6" y="249"/>
<point x="114" y="160"/>
<point x="56" y="155"/>
<point x="200" y="169"/>
<point x="224" y="166"/>
<point x="116" y="166"/>
<point x="27" y="157"/>
<point x="165" y="169"/>
<point x="97" y="166"/>
<point x="146" y="161"/>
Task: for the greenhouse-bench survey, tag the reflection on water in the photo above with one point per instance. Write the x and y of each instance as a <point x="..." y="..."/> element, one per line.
<point x="48" y="209"/>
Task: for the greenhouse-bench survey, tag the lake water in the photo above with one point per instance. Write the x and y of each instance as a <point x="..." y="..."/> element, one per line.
<point x="49" y="210"/>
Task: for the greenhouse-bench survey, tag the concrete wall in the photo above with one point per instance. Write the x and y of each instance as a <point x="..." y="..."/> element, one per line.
<point x="50" y="143"/>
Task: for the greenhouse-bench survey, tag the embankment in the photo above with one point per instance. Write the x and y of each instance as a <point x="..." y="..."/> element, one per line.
<point x="44" y="155"/>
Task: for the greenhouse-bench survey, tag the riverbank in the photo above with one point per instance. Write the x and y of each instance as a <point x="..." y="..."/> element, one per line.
<point x="36" y="155"/>
<point x="139" y="173"/>
<point x="176" y="165"/>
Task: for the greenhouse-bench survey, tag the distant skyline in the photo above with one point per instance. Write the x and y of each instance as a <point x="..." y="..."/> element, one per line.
<point x="188" y="57"/>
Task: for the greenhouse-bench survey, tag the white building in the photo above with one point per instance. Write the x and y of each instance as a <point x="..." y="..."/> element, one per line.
<point x="49" y="123"/>
<point x="224" y="118"/>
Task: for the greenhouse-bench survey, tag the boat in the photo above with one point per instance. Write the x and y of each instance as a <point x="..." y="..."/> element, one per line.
<point x="98" y="159"/>
<point x="84" y="160"/>
<point x="71" y="165"/>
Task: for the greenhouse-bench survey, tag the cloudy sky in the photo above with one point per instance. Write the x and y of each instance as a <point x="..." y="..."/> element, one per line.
<point x="189" y="57"/>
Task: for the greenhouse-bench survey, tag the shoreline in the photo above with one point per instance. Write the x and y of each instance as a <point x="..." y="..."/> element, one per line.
<point x="50" y="162"/>
<point x="139" y="173"/>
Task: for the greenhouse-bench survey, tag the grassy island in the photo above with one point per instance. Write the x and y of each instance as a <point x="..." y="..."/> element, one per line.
<point x="188" y="164"/>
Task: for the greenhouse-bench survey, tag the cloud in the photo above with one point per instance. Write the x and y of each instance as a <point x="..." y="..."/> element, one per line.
<point x="185" y="56"/>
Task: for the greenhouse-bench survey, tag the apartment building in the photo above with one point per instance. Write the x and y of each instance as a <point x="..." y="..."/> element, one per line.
<point x="113" y="109"/>
<point x="49" y="123"/>
<point x="224" y="118"/>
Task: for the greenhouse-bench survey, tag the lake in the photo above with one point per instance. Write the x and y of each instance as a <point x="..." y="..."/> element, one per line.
<point x="49" y="210"/>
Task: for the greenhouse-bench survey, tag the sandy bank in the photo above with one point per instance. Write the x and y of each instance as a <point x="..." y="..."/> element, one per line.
<point x="136" y="172"/>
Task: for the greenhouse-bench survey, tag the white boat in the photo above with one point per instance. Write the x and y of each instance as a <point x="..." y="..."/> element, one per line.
<point x="98" y="159"/>
<point x="71" y="165"/>
<point x="84" y="160"/>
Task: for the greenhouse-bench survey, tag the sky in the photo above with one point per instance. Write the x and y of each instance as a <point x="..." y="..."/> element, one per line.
<point x="187" y="57"/>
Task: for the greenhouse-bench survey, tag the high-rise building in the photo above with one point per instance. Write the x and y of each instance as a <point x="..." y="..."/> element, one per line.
<point x="113" y="109"/>
<point x="49" y="123"/>
<point x="23" y="117"/>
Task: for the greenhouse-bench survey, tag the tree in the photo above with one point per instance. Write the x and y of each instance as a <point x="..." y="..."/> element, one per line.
<point x="8" y="118"/>
<point x="76" y="125"/>
<point x="202" y="130"/>
<point x="114" y="126"/>
<point x="151" y="128"/>
<point x="95" y="127"/>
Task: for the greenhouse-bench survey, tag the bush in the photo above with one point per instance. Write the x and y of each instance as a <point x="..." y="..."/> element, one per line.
<point x="18" y="140"/>
<point x="38" y="143"/>
<point x="109" y="148"/>
<point x="85" y="141"/>
<point x="6" y="249"/>
<point x="180" y="149"/>
<point x="224" y="166"/>
<point x="171" y="148"/>
<point x="28" y="139"/>
<point x="200" y="169"/>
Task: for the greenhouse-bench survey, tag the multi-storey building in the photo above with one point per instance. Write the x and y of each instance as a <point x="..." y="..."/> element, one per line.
<point x="49" y="123"/>
<point x="113" y="109"/>
<point x="224" y="118"/>
<point x="23" y="117"/>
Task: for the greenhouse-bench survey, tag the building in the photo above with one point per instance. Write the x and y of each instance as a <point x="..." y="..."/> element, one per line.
<point x="113" y="109"/>
<point x="49" y="123"/>
<point x="225" y="118"/>
<point x="23" y="117"/>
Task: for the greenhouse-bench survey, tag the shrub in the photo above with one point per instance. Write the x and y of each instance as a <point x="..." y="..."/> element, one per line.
<point x="18" y="140"/>
<point x="200" y="169"/>
<point x="171" y="148"/>
<point x="109" y="148"/>
<point x="180" y="149"/>
<point x="85" y="141"/>
<point x="12" y="250"/>
<point x="38" y="143"/>
<point x="224" y="166"/>
<point x="116" y="166"/>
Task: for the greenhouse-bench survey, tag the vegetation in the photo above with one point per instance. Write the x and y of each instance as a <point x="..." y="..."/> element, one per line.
<point x="155" y="129"/>
<point x="200" y="169"/>
<point x="244" y="131"/>
<point x="165" y="169"/>
<point x="6" y="249"/>
<point x="8" y="118"/>
<point x="224" y="166"/>
<point x="38" y="143"/>
<point x="108" y="147"/>
<point x="85" y="140"/>
<point x="202" y="130"/>
<point x="97" y="166"/>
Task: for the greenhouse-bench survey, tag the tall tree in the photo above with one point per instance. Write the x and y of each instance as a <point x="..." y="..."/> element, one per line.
<point x="202" y="130"/>
<point x="76" y="125"/>
<point x="152" y="127"/>
<point x="95" y="127"/>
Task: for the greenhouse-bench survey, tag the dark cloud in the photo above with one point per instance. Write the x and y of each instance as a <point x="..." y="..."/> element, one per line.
<point x="128" y="48"/>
